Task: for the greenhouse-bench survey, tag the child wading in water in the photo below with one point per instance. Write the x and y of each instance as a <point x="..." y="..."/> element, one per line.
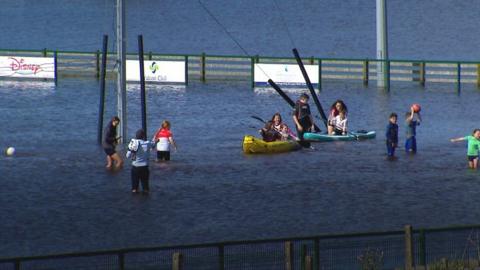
<point x="110" y="140"/>
<point x="473" y="147"/>
<point x="392" y="135"/>
<point x="139" y="151"/>
<point x="412" y="120"/>
<point x="302" y="118"/>
<point x="164" y="138"/>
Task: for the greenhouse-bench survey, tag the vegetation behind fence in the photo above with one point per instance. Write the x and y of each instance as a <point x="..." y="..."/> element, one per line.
<point x="223" y="67"/>
<point x="439" y="248"/>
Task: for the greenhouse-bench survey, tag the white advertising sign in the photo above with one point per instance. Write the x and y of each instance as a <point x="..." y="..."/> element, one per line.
<point x="27" y="67"/>
<point x="284" y="74"/>
<point x="157" y="71"/>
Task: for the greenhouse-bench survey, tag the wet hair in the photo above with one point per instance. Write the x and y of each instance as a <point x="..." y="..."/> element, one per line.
<point x="140" y="134"/>
<point x="305" y="96"/>
<point x="165" y="124"/>
<point x="279" y="116"/>
<point x="393" y="115"/>
<point x="344" y="107"/>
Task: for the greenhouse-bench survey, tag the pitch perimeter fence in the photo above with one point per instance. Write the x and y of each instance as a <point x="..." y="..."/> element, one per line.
<point x="439" y="248"/>
<point x="229" y="67"/>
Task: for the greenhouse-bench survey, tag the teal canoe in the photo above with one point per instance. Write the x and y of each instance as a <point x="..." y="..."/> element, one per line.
<point x="351" y="136"/>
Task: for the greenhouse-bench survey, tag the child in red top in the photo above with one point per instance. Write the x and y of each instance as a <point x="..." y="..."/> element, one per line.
<point x="164" y="138"/>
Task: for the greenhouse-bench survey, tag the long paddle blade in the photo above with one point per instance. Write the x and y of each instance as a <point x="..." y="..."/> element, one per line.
<point x="279" y="91"/>
<point x="258" y="118"/>
<point x="310" y="86"/>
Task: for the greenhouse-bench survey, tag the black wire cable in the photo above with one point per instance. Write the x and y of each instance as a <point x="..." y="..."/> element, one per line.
<point x="284" y="24"/>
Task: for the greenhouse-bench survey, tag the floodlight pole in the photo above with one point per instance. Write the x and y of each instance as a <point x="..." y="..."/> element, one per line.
<point x="121" y="73"/>
<point x="382" y="43"/>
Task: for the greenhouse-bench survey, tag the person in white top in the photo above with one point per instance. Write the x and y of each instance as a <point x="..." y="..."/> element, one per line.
<point x="340" y="123"/>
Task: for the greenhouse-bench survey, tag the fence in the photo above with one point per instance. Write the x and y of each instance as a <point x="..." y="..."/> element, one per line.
<point x="440" y="248"/>
<point x="223" y="67"/>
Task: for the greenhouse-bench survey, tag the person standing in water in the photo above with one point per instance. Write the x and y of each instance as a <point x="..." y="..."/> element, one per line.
<point x="139" y="152"/>
<point x="109" y="142"/>
<point x="302" y="117"/>
<point x="473" y="147"/>
<point x="392" y="135"/>
<point x="412" y="120"/>
<point x="164" y="138"/>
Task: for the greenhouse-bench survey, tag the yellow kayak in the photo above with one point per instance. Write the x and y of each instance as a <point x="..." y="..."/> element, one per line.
<point x="252" y="145"/>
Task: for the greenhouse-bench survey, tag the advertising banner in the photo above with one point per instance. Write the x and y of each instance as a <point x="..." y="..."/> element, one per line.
<point x="284" y="74"/>
<point x="27" y="67"/>
<point x="157" y="71"/>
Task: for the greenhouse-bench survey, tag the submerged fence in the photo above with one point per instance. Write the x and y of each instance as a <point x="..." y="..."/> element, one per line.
<point x="224" y="67"/>
<point x="440" y="248"/>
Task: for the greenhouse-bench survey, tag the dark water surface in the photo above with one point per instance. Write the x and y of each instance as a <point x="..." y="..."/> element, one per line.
<point x="430" y="30"/>
<point x="56" y="195"/>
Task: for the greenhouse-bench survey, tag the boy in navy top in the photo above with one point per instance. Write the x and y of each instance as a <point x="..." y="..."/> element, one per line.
<point x="302" y="117"/>
<point x="392" y="135"/>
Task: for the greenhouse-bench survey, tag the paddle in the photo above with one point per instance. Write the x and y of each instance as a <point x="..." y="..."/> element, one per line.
<point x="258" y="118"/>
<point x="281" y="93"/>
<point x="285" y="97"/>
<point x="310" y="87"/>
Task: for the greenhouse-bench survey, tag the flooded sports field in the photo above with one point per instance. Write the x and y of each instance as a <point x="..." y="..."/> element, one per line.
<point x="56" y="195"/>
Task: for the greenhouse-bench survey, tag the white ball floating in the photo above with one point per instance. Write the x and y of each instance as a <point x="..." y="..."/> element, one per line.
<point x="10" y="151"/>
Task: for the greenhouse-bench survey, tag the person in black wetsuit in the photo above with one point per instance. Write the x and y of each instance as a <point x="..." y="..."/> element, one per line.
<point x="302" y="117"/>
<point x="109" y="142"/>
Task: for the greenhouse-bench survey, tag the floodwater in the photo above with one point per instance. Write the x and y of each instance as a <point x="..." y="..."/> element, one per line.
<point x="56" y="191"/>
<point x="57" y="197"/>
<point x="430" y="30"/>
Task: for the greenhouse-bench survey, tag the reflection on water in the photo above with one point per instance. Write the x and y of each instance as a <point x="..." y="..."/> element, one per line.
<point x="155" y="87"/>
<point x="47" y="87"/>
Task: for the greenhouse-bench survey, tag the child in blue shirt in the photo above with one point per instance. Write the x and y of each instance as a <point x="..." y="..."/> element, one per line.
<point x="392" y="134"/>
<point x="412" y="120"/>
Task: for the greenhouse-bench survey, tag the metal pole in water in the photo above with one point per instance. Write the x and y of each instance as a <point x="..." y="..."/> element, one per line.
<point x="382" y="42"/>
<point x="101" y="106"/>
<point x="121" y="73"/>
<point x="142" y="83"/>
<point x="55" y="67"/>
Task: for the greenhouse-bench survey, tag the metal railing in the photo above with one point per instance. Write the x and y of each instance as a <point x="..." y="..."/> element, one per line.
<point x="404" y="249"/>
<point x="229" y="67"/>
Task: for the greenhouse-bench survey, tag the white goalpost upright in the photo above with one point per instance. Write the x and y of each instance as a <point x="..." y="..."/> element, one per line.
<point x="382" y="43"/>
<point x="121" y="72"/>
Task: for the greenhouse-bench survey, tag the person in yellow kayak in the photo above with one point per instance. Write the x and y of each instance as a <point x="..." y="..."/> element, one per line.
<point x="269" y="133"/>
